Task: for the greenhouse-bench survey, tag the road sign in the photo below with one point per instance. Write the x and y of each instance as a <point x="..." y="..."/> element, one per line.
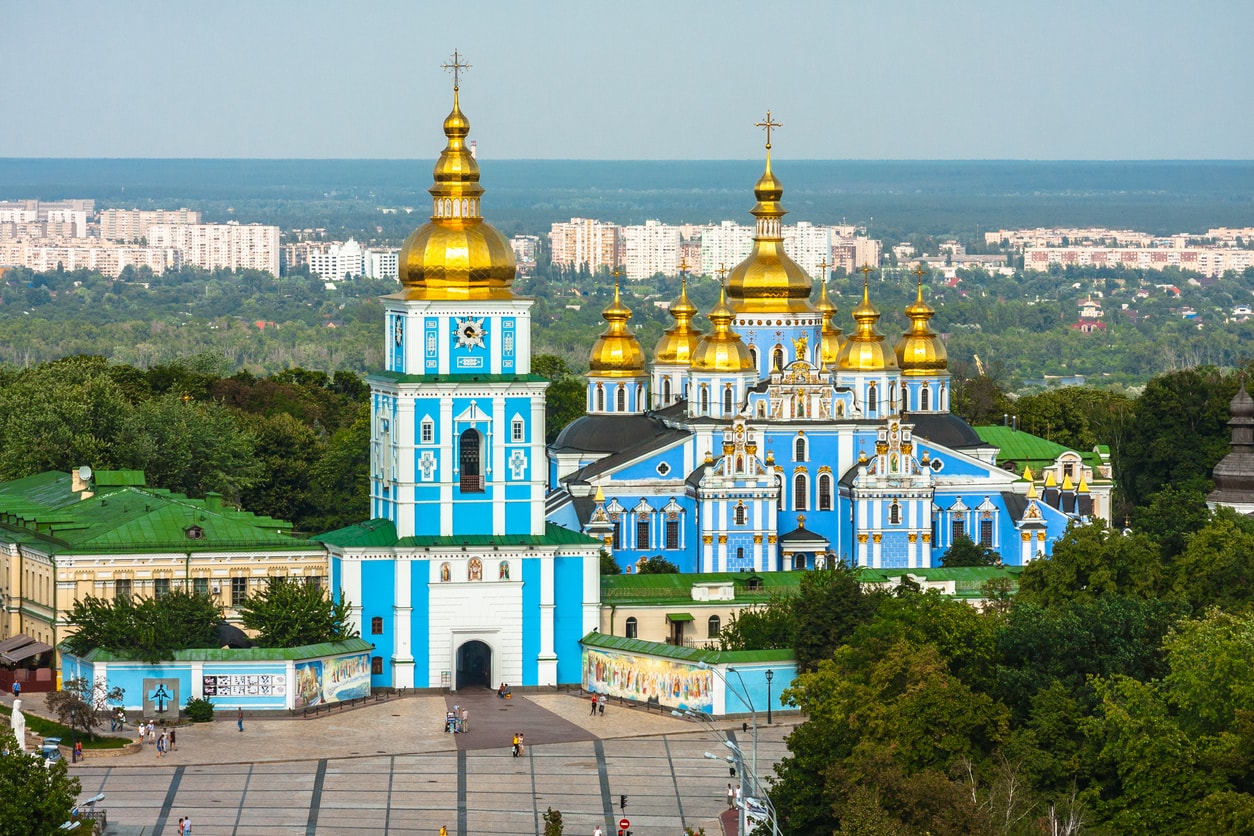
<point x="623" y="824"/>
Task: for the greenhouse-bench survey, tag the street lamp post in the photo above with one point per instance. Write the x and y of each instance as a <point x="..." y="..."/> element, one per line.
<point x="770" y="674"/>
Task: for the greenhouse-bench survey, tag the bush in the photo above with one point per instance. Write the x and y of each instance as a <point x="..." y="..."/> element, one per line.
<point x="199" y="710"/>
<point x="552" y="822"/>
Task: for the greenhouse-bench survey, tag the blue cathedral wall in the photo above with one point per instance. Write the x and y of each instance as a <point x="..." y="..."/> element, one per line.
<point x="379" y="576"/>
<point x="568" y="617"/>
<point x="531" y="622"/>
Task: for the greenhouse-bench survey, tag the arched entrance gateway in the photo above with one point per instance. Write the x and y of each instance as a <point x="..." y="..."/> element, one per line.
<point x="474" y="665"/>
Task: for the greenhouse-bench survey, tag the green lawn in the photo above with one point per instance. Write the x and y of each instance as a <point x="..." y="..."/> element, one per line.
<point x="48" y="728"/>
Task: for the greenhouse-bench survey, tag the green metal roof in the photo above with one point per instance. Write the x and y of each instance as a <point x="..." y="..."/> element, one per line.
<point x="122" y="515"/>
<point x="661" y="589"/>
<point x="693" y="655"/>
<point x="679" y="616"/>
<point x="245" y="654"/>
<point x="382" y="534"/>
<point x="1025" y="449"/>
<point x="397" y="377"/>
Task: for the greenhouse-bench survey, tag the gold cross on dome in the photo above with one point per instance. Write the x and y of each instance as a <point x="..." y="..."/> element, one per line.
<point x="456" y="67"/>
<point x="866" y="272"/>
<point x="683" y="265"/>
<point x="722" y="272"/>
<point x="920" y="272"/>
<point x="823" y="268"/>
<point x="768" y="124"/>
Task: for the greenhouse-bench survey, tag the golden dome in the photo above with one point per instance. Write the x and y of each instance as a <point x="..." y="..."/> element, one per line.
<point x="680" y="341"/>
<point x="722" y="350"/>
<point x="768" y="280"/>
<point x="617" y="352"/>
<point x="833" y="337"/>
<point x="864" y="350"/>
<point x="456" y="255"/>
<point x="920" y="350"/>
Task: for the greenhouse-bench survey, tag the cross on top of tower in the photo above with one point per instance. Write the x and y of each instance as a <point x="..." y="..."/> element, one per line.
<point x="455" y="65"/>
<point x="866" y="272"/>
<point x="920" y="272"/>
<point x="768" y="124"/>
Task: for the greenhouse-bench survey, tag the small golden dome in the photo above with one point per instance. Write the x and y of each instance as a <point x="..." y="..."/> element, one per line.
<point x="456" y="255"/>
<point x="617" y="352"/>
<point x="833" y="337"/>
<point x="864" y="350"/>
<point x="768" y="280"/>
<point x="920" y="350"/>
<point x="722" y="350"/>
<point x="680" y="341"/>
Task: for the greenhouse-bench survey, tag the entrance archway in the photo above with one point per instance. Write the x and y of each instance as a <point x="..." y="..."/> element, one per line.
<point x="474" y="665"/>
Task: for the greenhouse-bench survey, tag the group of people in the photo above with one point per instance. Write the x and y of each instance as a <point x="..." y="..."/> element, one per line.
<point x="503" y="692"/>
<point x="457" y="720"/>
<point x="518" y="744"/>
<point x="167" y="741"/>
<point x="185" y="826"/>
<point x="598" y="705"/>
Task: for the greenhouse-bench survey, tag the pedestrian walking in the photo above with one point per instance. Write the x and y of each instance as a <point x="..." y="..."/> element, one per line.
<point x="597" y="831"/>
<point x="521" y="748"/>
<point x="17" y="689"/>
<point x="140" y="729"/>
<point x="465" y="719"/>
<point x="161" y="746"/>
<point x="180" y="830"/>
<point x="594" y="706"/>
<point x="173" y="744"/>
<point x="515" y="744"/>
<point x="239" y="718"/>
<point x="443" y="830"/>
<point x="152" y="731"/>
<point x="731" y="797"/>
<point x="601" y="707"/>
<point x="78" y="750"/>
<point x="187" y="826"/>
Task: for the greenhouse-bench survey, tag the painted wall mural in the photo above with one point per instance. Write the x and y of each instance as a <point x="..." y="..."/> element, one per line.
<point x="641" y="678"/>
<point x="332" y="680"/>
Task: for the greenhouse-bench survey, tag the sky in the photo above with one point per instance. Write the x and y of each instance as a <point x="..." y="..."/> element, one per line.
<point x="630" y="79"/>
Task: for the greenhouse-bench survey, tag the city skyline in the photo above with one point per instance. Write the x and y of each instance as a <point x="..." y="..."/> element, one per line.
<point x="648" y="80"/>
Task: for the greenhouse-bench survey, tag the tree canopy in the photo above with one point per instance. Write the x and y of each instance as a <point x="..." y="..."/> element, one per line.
<point x="290" y="613"/>
<point x="150" y="629"/>
<point x="34" y="799"/>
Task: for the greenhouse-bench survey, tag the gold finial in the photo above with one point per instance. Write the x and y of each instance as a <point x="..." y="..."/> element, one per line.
<point x="683" y="265"/>
<point x="456" y="67"/>
<point x="617" y="273"/>
<point x="768" y="124"/>
<point x="866" y="273"/>
<point x="823" y="268"/>
<point x="722" y="273"/>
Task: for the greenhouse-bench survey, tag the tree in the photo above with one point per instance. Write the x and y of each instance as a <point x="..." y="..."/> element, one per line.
<point x="609" y="566"/>
<point x="965" y="552"/>
<point x="1090" y="561"/>
<point x="80" y="702"/>
<point x="1217" y="565"/>
<point x="150" y="629"/>
<point x="552" y="822"/>
<point x="34" y="799"/>
<point x="291" y="613"/>
<point x="656" y="565"/>
<point x="829" y="605"/>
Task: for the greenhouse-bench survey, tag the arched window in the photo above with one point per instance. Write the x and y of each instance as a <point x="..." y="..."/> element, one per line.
<point x="666" y="390"/>
<point x="777" y="357"/>
<point x="798" y="561"/>
<point x="872" y="398"/>
<point x="727" y="399"/>
<point x="799" y="492"/>
<point x="620" y="398"/>
<point x="376" y="665"/>
<point x="376" y="626"/>
<point x="631" y="627"/>
<point x="714" y="627"/>
<point x="779" y="487"/>
<point x="600" y="405"/>
<point x="924" y="398"/>
<point x="468" y="456"/>
<point x="894" y="514"/>
<point x="705" y="400"/>
<point x="799" y="449"/>
<point x="740" y="513"/>
<point x="825" y="492"/>
<point x="753" y="354"/>
<point x="892" y="393"/>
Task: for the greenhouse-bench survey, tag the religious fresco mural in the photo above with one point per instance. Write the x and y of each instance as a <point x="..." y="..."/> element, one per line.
<point x="671" y="683"/>
<point x="332" y="680"/>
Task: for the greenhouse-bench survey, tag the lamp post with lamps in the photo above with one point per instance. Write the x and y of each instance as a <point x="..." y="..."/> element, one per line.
<point x="770" y="674"/>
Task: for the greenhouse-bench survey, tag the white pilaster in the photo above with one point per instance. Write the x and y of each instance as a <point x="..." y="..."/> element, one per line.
<point x="402" y="625"/>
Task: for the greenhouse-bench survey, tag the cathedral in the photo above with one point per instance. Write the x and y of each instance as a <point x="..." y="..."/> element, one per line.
<point x="771" y="442"/>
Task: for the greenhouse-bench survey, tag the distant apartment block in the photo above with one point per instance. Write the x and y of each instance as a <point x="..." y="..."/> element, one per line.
<point x="232" y="245"/>
<point x="382" y="264"/>
<point x="649" y="249"/>
<point x="526" y="250"/>
<point x="335" y="260"/>
<point x="585" y="243"/>
<point x="104" y="257"/>
<point x="723" y="246"/>
<point x="132" y="224"/>
<point x="30" y="219"/>
<point x="338" y="261"/>
<point x="1019" y="239"/>
<point x="1209" y="261"/>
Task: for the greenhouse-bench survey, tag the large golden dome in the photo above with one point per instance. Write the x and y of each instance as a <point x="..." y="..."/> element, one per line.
<point x="920" y="350"/>
<point x="456" y="255"/>
<point x="865" y="350"/>
<point x="768" y="280"/>
<point x="617" y="352"/>
<point x="680" y="340"/>
<point x="722" y="350"/>
<point x="832" y="335"/>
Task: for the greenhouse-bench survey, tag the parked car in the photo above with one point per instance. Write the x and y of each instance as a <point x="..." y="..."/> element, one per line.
<point x="51" y="750"/>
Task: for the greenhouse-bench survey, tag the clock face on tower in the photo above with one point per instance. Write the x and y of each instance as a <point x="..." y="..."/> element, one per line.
<point x="470" y="332"/>
<point x="398" y="330"/>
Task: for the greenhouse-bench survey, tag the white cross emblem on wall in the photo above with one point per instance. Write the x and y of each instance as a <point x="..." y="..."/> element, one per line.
<point x="427" y="464"/>
<point x="518" y="464"/>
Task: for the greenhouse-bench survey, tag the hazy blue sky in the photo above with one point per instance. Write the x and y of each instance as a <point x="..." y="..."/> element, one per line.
<point x="630" y="79"/>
